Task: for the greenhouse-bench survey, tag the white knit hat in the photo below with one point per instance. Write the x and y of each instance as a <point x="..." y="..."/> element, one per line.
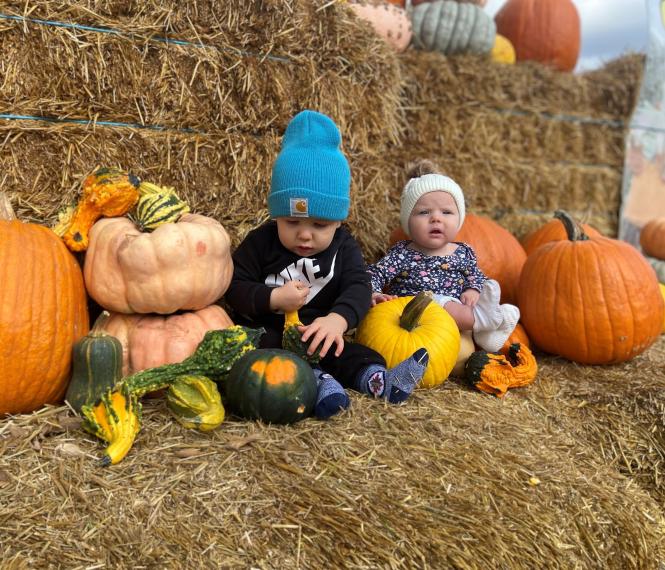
<point x="417" y="187"/>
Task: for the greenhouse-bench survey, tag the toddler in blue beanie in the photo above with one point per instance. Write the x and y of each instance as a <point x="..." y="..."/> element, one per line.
<point x="304" y="260"/>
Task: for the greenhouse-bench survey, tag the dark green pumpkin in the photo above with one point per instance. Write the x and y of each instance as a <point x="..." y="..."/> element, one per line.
<point x="271" y="385"/>
<point x="96" y="366"/>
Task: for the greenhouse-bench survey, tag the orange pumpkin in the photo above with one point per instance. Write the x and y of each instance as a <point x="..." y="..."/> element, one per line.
<point x="518" y="336"/>
<point x="593" y="301"/>
<point x="152" y="340"/>
<point x="552" y="231"/>
<point x="546" y="31"/>
<point x="652" y="238"/>
<point x="43" y="312"/>
<point x="180" y="266"/>
<point x="500" y="256"/>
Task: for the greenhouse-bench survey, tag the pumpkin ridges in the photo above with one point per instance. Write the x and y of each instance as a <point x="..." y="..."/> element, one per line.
<point x="399" y="344"/>
<point x="153" y="340"/>
<point x="552" y="231"/>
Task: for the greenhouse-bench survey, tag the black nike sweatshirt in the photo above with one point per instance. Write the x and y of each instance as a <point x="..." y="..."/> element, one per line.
<point x="337" y="276"/>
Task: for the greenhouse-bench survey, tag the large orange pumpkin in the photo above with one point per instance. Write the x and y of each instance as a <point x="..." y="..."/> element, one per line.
<point x="180" y="266"/>
<point x="500" y="256"/>
<point x="552" y="231"/>
<point x="517" y="336"/>
<point x="43" y="312"/>
<point x="152" y="340"/>
<point x="546" y="31"/>
<point x="593" y="301"/>
<point x="652" y="238"/>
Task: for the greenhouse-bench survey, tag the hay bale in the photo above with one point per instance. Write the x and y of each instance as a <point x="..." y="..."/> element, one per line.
<point x="454" y="478"/>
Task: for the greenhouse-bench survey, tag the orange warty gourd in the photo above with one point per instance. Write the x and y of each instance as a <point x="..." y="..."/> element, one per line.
<point x="546" y="31"/>
<point x="106" y="192"/>
<point x="593" y="301"/>
<point x="149" y="341"/>
<point x="652" y="238"/>
<point x="180" y="266"/>
<point x="552" y="231"/>
<point x="500" y="256"/>
<point x="43" y="312"/>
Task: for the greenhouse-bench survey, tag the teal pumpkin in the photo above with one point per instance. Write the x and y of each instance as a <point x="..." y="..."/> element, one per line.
<point x="271" y="385"/>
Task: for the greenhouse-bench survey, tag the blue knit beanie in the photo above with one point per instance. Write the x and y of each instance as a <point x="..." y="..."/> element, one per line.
<point x="311" y="177"/>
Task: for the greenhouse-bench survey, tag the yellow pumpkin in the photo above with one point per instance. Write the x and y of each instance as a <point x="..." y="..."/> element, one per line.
<point x="466" y="348"/>
<point x="397" y="328"/>
<point x="503" y="50"/>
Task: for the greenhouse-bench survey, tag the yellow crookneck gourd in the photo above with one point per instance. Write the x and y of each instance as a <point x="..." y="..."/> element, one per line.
<point x="116" y="419"/>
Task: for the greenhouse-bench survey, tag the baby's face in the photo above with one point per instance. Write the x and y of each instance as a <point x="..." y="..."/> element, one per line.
<point x="434" y="222"/>
<point x="306" y="236"/>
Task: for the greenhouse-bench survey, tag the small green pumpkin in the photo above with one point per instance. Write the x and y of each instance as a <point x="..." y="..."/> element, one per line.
<point x="271" y="385"/>
<point x="195" y="402"/>
<point x="157" y="206"/>
<point x="291" y="339"/>
<point x="96" y="365"/>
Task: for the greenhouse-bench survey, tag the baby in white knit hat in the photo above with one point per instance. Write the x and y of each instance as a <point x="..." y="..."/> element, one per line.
<point x="432" y="212"/>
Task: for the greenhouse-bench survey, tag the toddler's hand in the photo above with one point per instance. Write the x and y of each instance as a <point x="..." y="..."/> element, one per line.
<point x="381" y="297"/>
<point x="329" y="330"/>
<point x="289" y="297"/>
<point x="469" y="297"/>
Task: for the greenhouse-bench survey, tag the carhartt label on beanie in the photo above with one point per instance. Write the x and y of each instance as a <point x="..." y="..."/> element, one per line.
<point x="417" y="187"/>
<point x="311" y="177"/>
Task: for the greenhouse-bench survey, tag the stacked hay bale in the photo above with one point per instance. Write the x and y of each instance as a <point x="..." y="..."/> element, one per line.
<point x="521" y="140"/>
<point x="194" y="95"/>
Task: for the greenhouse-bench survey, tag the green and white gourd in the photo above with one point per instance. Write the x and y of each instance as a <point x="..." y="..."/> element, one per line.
<point x="157" y="206"/>
<point x="452" y="28"/>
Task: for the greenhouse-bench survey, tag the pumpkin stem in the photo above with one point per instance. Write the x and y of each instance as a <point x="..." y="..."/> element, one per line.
<point x="574" y="230"/>
<point x="6" y="210"/>
<point x="100" y="323"/>
<point x="414" y="310"/>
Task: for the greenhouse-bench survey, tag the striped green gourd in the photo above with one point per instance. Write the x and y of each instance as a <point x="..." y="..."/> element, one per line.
<point x="157" y="206"/>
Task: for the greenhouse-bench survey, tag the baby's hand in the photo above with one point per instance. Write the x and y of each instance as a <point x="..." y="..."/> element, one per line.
<point x="381" y="297"/>
<point x="289" y="297"/>
<point x="329" y="330"/>
<point x="469" y="297"/>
